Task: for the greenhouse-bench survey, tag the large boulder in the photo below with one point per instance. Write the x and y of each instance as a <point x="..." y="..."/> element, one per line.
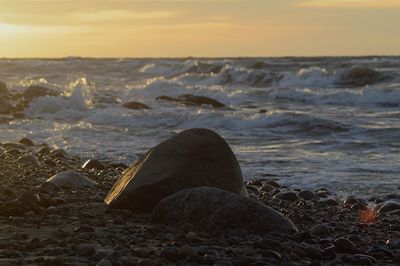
<point x="192" y="158"/>
<point x="37" y="91"/>
<point x="212" y="210"/>
<point x="189" y="99"/>
<point x="5" y="106"/>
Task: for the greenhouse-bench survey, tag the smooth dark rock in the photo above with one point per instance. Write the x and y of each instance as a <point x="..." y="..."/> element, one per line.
<point x="210" y="208"/>
<point x="192" y="158"/>
<point x="136" y="106"/>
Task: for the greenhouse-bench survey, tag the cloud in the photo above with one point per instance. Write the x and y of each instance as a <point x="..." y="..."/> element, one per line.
<point x="103" y="16"/>
<point x="377" y="4"/>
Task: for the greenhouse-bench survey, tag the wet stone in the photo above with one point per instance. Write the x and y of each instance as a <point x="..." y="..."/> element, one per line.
<point x="344" y="245"/>
<point x="291" y="196"/>
<point x="307" y="195"/>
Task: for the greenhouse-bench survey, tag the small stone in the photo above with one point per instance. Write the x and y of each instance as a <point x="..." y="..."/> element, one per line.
<point x="272" y="254"/>
<point x="329" y="253"/>
<point x="223" y="262"/>
<point x="321" y="230"/>
<point x="170" y="253"/>
<point x="273" y="183"/>
<point x="93" y="164"/>
<point x="27" y="142"/>
<point x="313" y="252"/>
<point x="330" y="202"/>
<point x="387" y="206"/>
<point x="188" y="251"/>
<point x="52" y="261"/>
<point x="307" y="195"/>
<point x="392" y="197"/>
<point x="344" y="245"/>
<point x="365" y="259"/>
<point x="267" y="188"/>
<point x="291" y="196"/>
<point x="84" y="229"/>
<point x="86" y="250"/>
<point x="70" y="179"/>
<point x="147" y="262"/>
<point x="49" y="162"/>
<point x="104" y="262"/>
<point x="28" y="160"/>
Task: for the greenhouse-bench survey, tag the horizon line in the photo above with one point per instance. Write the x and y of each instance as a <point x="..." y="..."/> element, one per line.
<point x="198" y="57"/>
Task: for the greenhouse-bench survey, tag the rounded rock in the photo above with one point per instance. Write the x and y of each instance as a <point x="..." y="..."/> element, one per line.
<point x="193" y="158"/>
<point x="70" y="179"/>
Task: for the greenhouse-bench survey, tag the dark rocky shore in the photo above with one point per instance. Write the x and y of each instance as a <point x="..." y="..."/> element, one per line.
<point x="64" y="220"/>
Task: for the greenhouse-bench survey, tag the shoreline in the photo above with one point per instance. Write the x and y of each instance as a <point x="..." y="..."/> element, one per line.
<point x="59" y="226"/>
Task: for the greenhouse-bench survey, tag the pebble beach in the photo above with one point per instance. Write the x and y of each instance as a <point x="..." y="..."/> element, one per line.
<point x="43" y="224"/>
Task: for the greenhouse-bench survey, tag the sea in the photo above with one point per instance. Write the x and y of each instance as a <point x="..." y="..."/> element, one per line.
<point x="320" y="122"/>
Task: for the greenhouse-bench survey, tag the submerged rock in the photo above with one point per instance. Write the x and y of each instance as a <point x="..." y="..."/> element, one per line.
<point x="70" y="179"/>
<point x="136" y="106"/>
<point x="38" y="91"/>
<point x="189" y="99"/>
<point x="3" y="88"/>
<point x="192" y="158"/>
<point x="210" y="209"/>
<point x="5" y="106"/>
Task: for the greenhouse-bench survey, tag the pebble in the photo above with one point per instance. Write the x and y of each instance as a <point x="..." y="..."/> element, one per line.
<point x="267" y="188"/>
<point x="188" y="251"/>
<point x="291" y="196"/>
<point x="86" y="250"/>
<point x="322" y="230"/>
<point x="27" y="142"/>
<point x="223" y="262"/>
<point x="104" y="262"/>
<point x="307" y="195"/>
<point x="329" y="253"/>
<point x="28" y="159"/>
<point x="147" y="262"/>
<point x="387" y="206"/>
<point x="170" y="253"/>
<point x="93" y="164"/>
<point x="344" y="245"/>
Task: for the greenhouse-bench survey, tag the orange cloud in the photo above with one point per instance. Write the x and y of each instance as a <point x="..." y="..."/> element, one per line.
<point x="349" y="3"/>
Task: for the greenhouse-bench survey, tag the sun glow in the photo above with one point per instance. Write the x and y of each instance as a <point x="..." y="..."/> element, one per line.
<point x="177" y="28"/>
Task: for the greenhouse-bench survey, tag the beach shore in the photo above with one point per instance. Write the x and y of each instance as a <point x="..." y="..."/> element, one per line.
<point x="42" y="224"/>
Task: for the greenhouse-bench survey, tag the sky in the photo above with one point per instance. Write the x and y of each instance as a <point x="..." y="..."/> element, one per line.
<point x="199" y="28"/>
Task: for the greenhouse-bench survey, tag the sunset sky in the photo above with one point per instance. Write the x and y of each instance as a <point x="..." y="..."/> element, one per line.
<point x="179" y="28"/>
